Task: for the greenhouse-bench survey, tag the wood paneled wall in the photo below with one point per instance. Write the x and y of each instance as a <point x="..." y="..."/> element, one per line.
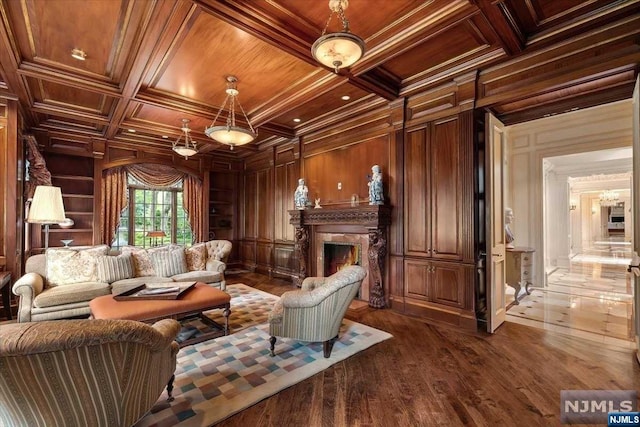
<point x="428" y="166"/>
<point x="11" y="186"/>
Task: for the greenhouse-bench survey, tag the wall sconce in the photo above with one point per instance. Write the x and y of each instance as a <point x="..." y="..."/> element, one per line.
<point x="593" y="211"/>
<point x="572" y="206"/>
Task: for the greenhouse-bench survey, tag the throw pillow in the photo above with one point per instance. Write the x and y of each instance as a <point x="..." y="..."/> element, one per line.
<point x="142" y="265"/>
<point x="114" y="268"/>
<point x="169" y="263"/>
<point x="68" y="266"/>
<point x="196" y="257"/>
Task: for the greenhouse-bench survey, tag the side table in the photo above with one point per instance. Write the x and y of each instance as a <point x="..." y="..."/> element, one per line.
<point x="519" y="266"/>
<point x="5" y="279"/>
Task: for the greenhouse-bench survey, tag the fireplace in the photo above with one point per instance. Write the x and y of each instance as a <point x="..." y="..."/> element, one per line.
<point x="358" y="230"/>
<point x="338" y="255"/>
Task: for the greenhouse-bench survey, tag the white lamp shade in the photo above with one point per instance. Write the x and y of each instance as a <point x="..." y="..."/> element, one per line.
<point x="338" y="50"/>
<point x="230" y="135"/>
<point x="47" y="206"/>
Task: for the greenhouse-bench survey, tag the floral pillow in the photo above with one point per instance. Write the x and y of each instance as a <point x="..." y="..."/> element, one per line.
<point x="142" y="265"/>
<point x="196" y="257"/>
<point x="68" y="266"/>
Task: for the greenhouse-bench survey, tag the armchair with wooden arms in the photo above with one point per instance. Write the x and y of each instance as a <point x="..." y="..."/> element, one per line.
<point x="315" y="312"/>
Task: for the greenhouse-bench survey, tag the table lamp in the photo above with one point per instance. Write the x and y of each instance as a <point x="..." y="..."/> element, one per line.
<point x="155" y="234"/>
<point x="46" y="208"/>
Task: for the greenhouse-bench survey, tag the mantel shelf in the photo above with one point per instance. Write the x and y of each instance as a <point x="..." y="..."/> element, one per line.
<point x="367" y="216"/>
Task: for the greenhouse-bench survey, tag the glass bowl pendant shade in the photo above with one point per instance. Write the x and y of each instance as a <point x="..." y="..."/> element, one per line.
<point x="189" y="147"/>
<point x="230" y="133"/>
<point x="340" y="49"/>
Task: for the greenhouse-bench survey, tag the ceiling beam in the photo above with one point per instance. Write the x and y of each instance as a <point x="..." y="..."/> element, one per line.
<point x="504" y="24"/>
<point x="162" y="21"/>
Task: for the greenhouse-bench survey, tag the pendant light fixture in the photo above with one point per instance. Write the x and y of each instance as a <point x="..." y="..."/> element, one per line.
<point x="189" y="148"/>
<point x="341" y="49"/>
<point x="229" y="133"/>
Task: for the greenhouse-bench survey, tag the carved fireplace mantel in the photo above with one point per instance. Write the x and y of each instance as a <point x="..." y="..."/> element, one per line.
<point x="370" y="219"/>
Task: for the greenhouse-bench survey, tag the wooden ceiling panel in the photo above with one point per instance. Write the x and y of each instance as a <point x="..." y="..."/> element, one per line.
<point x="147" y="118"/>
<point x="329" y="102"/>
<point x="457" y="43"/>
<point x="69" y="123"/>
<point x="163" y="117"/>
<point x="151" y="63"/>
<point x="213" y="49"/>
<point x="366" y="18"/>
<point x="67" y="97"/>
<point x="534" y="16"/>
<point x="45" y="37"/>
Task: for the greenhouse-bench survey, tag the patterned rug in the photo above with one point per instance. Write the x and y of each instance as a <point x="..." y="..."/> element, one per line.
<point x="218" y="378"/>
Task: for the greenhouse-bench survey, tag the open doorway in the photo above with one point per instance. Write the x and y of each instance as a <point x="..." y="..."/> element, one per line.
<point x="562" y="171"/>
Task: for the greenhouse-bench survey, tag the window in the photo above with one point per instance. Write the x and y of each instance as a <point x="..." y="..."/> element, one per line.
<point x="153" y="210"/>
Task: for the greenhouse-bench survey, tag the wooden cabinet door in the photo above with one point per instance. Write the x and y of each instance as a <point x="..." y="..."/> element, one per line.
<point x="416" y="278"/>
<point x="446" y="190"/>
<point x="417" y="229"/>
<point x="447" y="285"/>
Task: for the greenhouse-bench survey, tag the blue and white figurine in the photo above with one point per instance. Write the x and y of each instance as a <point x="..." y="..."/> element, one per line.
<point x="300" y="197"/>
<point x="375" y="187"/>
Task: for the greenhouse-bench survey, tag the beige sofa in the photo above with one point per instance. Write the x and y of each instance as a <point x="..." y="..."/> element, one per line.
<point x="84" y="372"/>
<point x="60" y="283"/>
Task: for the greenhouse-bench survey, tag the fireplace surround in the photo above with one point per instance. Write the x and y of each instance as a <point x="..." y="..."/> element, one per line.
<point x="363" y="225"/>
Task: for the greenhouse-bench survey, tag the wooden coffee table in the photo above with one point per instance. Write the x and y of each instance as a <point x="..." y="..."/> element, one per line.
<point x="191" y="304"/>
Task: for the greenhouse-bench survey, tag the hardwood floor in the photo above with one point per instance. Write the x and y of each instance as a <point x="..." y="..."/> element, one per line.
<point x="431" y="375"/>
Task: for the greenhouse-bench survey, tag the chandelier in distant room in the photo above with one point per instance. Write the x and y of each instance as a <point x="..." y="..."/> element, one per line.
<point x="609" y="198"/>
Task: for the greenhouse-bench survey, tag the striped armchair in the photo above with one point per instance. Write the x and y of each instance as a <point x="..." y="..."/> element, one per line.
<point x="84" y="372"/>
<point x="315" y="312"/>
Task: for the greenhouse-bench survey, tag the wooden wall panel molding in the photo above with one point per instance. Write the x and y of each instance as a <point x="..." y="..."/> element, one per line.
<point x="284" y="260"/>
<point x="367" y="108"/>
<point x="370" y="124"/>
<point x="259" y="161"/>
<point x="334" y="176"/>
<point x="446" y="100"/>
<point x="562" y="65"/>
<point x="396" y="177"/>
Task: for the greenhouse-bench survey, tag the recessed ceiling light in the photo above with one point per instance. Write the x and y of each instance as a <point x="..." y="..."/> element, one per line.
<point x="132" y="130"/>
<point x="78" y="54"/>
<point x="346" y="98"/>
<point x="165" y="137"/>
<point x="297" y="120"/>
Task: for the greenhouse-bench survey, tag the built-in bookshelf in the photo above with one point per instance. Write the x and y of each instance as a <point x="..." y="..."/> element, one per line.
<point x="75" y="179"/>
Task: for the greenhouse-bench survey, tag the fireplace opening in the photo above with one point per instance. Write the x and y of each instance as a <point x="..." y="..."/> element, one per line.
<point x="338" y="255"/>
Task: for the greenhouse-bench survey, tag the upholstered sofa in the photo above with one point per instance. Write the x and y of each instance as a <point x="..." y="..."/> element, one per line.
<point x="314" y="313"/>
<point x="60" y="283"/>
<point x="84" y="372"/>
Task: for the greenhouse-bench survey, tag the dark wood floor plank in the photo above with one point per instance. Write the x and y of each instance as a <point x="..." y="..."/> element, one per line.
<point x="433" y="376"/>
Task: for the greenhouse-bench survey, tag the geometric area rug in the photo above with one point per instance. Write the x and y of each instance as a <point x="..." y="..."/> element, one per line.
<point x="218" y="378"/>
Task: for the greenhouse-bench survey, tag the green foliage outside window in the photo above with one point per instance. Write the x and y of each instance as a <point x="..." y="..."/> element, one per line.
<point x="153" y="210"/>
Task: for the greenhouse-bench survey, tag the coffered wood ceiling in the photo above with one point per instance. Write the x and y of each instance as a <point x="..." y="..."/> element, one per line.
<point x="151" y="63"/>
